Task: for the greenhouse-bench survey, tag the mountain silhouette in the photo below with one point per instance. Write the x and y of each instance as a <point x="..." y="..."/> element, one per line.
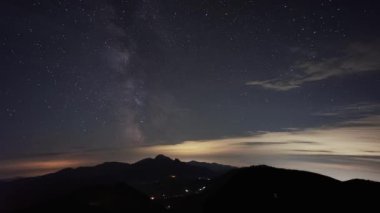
<point x="263" y="188"/>
<point x="216" y="167"/>
<point x="162" y="184"/>
<point x="152" y="176"/>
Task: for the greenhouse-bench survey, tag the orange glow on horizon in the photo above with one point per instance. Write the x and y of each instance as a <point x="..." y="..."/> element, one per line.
<point x="52" y="164"/>
<point x="39" y="167"/>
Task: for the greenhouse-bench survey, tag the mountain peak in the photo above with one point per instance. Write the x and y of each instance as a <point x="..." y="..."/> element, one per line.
<point x="162" y="157"/>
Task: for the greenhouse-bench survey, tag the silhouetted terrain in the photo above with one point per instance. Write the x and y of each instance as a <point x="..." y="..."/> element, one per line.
<point x="272" y="189"/>
<point x="162" y="184"/>
<point x="98" y="198"/>
<point x="158" y="177"/>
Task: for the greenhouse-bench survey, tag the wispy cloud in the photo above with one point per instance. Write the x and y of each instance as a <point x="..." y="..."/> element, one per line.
<point x="286" y="148"/>
<point x="356" y="58"/>
<point x="346" y="138"/>
<point x="312" y="151"/>
<point x="351" y="111"/>
<point x="277" y="84"/>
<point x="257" y="143"/>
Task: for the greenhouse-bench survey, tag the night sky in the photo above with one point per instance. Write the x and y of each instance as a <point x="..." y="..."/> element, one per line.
<point x="293" y="84"/>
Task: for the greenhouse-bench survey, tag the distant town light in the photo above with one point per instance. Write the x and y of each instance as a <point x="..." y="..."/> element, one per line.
<point x="152" y="197"/>
<point x="186" y="190"/>
<point x="173" y="176"/>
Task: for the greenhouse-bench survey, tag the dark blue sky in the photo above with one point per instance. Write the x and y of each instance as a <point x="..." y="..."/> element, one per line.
<point x="86" y="77"/>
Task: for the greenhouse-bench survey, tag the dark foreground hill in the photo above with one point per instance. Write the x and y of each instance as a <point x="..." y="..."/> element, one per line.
<point x="268" y="189"/>
<point x="158" y="177"/>
<point x="97" y="199"/>
<point x="165" y="185"/>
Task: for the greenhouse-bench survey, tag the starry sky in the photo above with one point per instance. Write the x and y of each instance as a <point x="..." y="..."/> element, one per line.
<point x="293" y="84"/>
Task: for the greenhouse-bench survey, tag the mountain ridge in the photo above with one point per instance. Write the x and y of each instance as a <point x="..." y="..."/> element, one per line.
<point x="181" y="187"/>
